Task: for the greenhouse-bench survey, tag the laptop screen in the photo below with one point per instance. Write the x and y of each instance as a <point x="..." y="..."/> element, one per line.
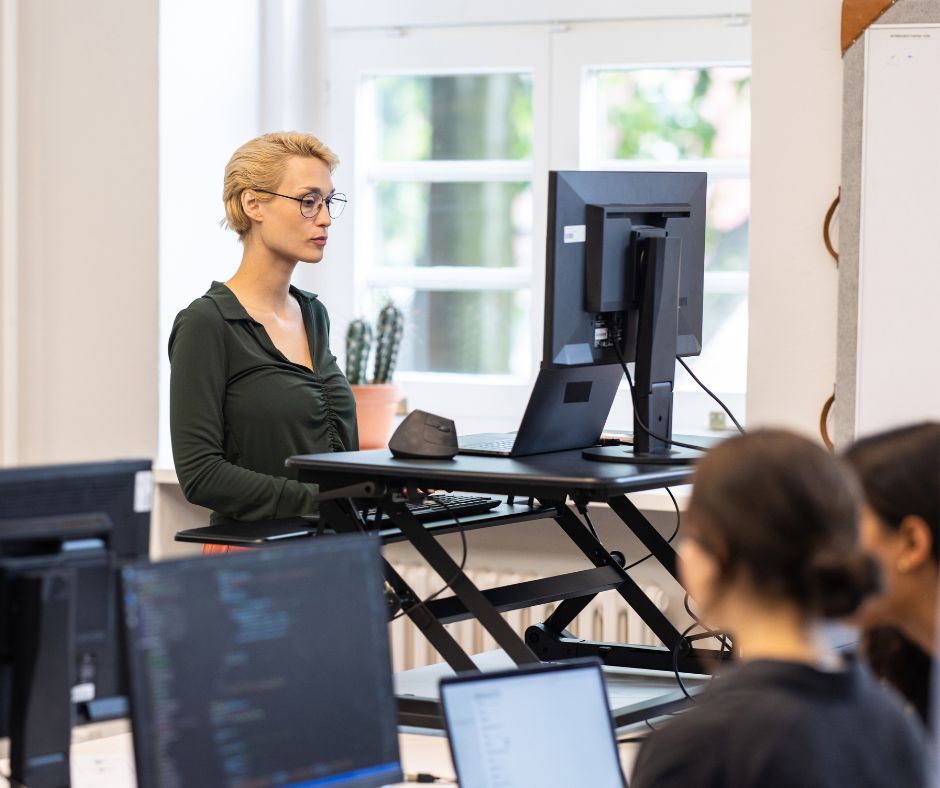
<point x="549" y="726"/>
<point x="269" y="667"/>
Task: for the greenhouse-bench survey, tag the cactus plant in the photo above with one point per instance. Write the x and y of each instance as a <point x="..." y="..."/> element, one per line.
<point x="389" y="330"/>
<point x="358" y="346"/>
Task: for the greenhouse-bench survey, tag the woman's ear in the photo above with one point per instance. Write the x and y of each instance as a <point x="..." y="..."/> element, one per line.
<point x="251" y="205"/>
<point x="915" y="544"/>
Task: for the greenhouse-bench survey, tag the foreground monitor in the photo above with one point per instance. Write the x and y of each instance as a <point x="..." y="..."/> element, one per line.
<point x="269" y="667"/>
<point x="624" y="280"/>
<point x="63" y="531"/>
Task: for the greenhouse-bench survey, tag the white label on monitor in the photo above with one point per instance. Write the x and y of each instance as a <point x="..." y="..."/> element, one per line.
<point x="574" y="233"/>
<point x="143" y="491"/>
<point x="82" y="693"/>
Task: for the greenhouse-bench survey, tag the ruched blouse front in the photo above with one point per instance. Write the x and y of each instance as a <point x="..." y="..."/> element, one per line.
<point x="239" y="408"/>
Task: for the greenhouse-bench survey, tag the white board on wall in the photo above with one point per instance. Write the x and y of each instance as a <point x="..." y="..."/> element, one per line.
<point x="898" y="371"/>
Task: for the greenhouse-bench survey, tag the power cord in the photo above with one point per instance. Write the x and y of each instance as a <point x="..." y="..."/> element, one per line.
<point x="675" y="531"/>
<point x="710" y="394"/>
<point x="636" y="410"/>
<point x="721" y="636"/>
<point x="685" y="637"/>
<point x="582" y="508"/>
<point x="460" y="568"/>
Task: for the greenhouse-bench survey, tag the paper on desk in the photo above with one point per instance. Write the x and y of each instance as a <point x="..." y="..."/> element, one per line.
<point x="103" y="771"/>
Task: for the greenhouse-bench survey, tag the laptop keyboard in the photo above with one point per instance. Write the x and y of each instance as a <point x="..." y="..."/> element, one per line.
<point x="445" y="506"/>
<point x="503" y="444"/>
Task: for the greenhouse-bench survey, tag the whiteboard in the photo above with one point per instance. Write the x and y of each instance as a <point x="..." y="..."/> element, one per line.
<point x="898" y="361"/>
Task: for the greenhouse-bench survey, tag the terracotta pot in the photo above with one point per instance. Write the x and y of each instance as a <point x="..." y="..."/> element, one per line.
<point x="375" y="409"/>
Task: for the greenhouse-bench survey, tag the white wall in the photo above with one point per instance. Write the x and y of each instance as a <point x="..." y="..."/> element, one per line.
<point x="221" y="84"/>
<point x="209" y="105"/>
<point x="79" y="367"/>
<point x="795" y="171"/>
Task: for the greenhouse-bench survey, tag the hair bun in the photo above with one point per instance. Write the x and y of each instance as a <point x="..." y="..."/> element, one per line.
<point x="838" y="582"/>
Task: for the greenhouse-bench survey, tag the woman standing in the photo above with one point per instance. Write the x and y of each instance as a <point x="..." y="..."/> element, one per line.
<point x="253" y="380"/>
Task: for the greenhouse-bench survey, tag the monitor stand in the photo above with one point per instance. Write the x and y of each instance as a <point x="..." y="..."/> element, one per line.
<point x="657" y="341"/>
<point x="627" y="454"/>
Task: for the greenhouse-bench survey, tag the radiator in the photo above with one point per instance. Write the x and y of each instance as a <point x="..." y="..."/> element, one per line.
<point x="607" y="618"/>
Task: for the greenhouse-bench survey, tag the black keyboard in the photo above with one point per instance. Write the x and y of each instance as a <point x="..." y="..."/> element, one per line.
<point x="445" y="506"/>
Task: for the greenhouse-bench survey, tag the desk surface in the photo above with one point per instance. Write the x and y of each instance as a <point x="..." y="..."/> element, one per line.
<point x="538" y="474"/>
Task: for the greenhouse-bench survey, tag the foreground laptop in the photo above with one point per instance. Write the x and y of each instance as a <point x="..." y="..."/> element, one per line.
<point x="268" y="667"/>
<point x="547" y="726"/>
<point x="567" y="409"/>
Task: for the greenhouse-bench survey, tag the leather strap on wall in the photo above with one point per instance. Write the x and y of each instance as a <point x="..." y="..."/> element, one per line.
<point x="827" y="225"/>
<point x="823" y="425"/>
<point x="857" y="15"/>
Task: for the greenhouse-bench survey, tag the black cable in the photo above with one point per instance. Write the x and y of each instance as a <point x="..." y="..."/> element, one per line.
<point x="636" y="412"/>
<point x="669" y="540"/>
<point x="582" y="508"/>
<point x="685" y="638"/>
<point x="722" y="637"/>
<point x="675" y="658"/>
<point x="460" y="568"/>
<point x="711" y="394"/>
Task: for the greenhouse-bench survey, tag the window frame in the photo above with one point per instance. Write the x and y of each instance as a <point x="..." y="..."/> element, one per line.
<point x="558" y="58"/>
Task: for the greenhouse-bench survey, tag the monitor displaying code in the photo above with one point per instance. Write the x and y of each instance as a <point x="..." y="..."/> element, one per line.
<point x="265" y="668"/>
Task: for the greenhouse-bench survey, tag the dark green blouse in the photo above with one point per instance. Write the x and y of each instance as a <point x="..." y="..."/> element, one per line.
<point x="239" y="408"/>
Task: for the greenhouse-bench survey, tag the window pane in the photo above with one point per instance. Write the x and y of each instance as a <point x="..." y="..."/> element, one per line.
<point x="670" y="114"/>
<point x="453" y="224"/>
<point x="468" y="331"/>
<point x="727" y="220"/>
<point x="723" y="363"/>
<point x="464" y="116"/>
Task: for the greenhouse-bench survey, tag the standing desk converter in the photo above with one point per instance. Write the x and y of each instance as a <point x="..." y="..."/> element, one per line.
<point x="546" y="481"/>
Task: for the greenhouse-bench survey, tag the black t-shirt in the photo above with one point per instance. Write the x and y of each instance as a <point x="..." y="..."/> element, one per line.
<point x="766" y="724"/>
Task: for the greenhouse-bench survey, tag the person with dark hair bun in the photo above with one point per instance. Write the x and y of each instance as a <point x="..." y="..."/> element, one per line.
<point x="769" y="553"/>
<point x="900" y="475"/>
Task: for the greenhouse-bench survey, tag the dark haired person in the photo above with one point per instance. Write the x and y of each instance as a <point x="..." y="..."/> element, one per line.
<point x="900" y="475"/>
<point x="769" y="553"/>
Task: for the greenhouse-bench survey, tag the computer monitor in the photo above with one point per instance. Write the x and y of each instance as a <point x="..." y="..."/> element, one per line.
<point x="268" y="667"/>
<point x="624" y="279"/>
<point x="63" y="530"/>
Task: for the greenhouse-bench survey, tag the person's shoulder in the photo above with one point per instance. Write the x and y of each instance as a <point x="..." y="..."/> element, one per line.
<point x="201" y="317"/>
<point x="205" y="308"/>
<point x="882" y="704"/>
<point x="688" y="749"/>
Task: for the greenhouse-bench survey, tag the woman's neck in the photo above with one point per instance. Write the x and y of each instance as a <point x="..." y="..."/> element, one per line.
<point x="779" y="632"/>
<point x="917" y="619"/>
<point x="262" y="282"/>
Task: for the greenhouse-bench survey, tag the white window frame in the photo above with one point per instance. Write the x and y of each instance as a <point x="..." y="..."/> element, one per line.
<point x="558" y="57"/>
<point x="655" y="44"/>
<point x="474" y="401"/>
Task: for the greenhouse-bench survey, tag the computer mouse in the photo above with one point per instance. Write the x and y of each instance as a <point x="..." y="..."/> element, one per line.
<point x="423" y="435"/>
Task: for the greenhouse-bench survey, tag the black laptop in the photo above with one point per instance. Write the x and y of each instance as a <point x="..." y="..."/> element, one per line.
<point x="567" y="409"/>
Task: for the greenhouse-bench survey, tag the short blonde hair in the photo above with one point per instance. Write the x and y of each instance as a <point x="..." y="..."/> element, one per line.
<point x="260" y="164"/>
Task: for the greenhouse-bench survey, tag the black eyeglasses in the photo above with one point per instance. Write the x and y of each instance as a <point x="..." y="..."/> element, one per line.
<point x="310" y="204"/>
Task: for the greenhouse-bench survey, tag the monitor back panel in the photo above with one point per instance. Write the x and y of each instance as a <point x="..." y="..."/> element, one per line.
<point x="269" y="667"/>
